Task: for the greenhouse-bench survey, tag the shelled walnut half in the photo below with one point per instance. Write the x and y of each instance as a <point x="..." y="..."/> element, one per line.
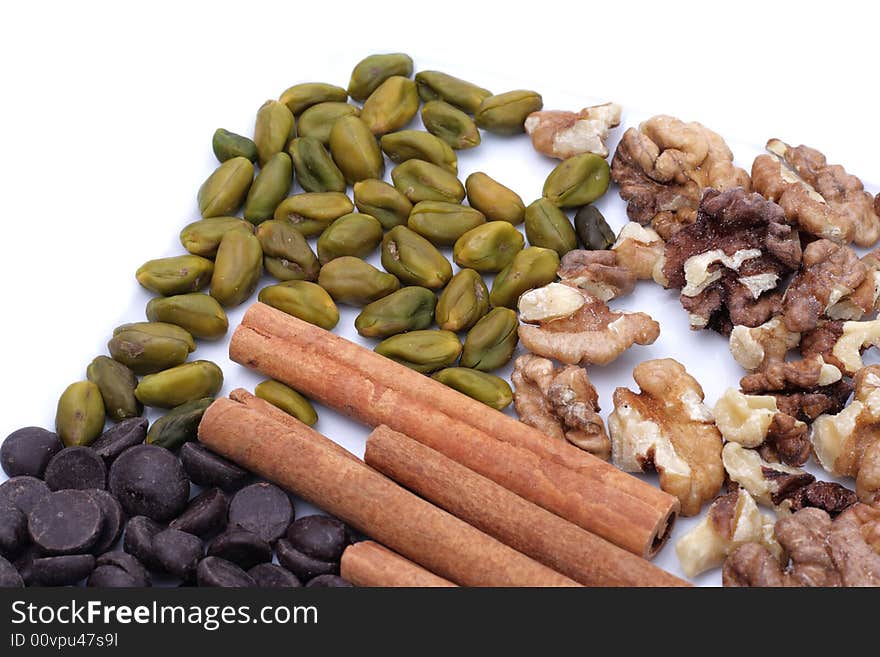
<point x="754" y="348"/>
<point x="561" y="134"/>
<point x="841" y="343"/>
<point x="842" y="552"/>
<point x="804" y="389"/>
<point x="822" y="199"/>
<point x="560" y="402"/>
<point x="640" y="250"/>
<point x="667" y="427"/>
<point x="664" y="165"/>
<point x="830" y="274"/>
<point x="579" y="330"/>
<point x="731" y="520"/>
<point x="864" y="299"/>
<point x="755" y="421"/>
<point x="597" y="272"/>
<point x="783" y="487"/>
<point x="729" y="264"/>
<point x="848" y="443"/>
<point x="769" y="483"/>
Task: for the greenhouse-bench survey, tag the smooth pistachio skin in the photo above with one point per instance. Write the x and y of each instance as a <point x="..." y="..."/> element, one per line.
<point x="200" y="314"/>
<point x="373" y="70"/>
<point x="79" y="419"/>
<point x="175" y="275"/>
<point x="408" y="309"/>
<point x="179" y="425"/>
<point x="273" y="129"/>
<point x="382" y="201"/>
<point x="301" y="97"/>
<point x="203" y="237"/>
<point x="424" y="351"/>
<point x="237" y="268"/>
<point x="352" y="234"/>
<point x="303" y="299"/>
<point x="464" y="301"/>
<point x="450" y="124"/>
<point x="531" y="268"/>
<point x="548" y="227"/>
<point x="490" y="344"/>
<point x="497" y="202"/>
<point x="352" y="281"/>
<point x="181" y="384"/>
<point x="315" y="169"/>
<point x="312" y="212"/>
<point x="391" y="106"/>
<point x="419" y="145"/>
<point x="423" y="181"/>
<point x="227" y="145"/>
<point x="225" y="189"/>
<point x="288" y="400"/>
<point x="482" y="386"/>
<point x="116" y="383"/>
<point x="318" y="120"/>
<point x="414" y="260"/>
<point x="442" y="223"/>
<point x="505" y="114"/>
<point x="270" y="188"/>
<point x="464" y="95"/>
<point x="577" y="181"/>
<point x="355" y="150"/>
<point x="592" y="230"/>
<point x="286" y="254"/>
<point x="488" y="248"/>
<point x="148" y="347"/>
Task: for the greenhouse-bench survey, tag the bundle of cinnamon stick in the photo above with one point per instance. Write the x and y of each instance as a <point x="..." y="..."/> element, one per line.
<point x="464" y="529"/>
<point x="374" y="390"/>
<point x="493" y="501"/>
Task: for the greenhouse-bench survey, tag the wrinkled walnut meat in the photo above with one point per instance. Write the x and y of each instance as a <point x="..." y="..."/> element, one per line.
<point x="590" y="333"/>
<point x="668" y="428"/>
<point x="755" y="420"/>
<point x="829" y="274"/>
<point x="729" y="263"/>
<point x="561" y="403"/>
<point x="731" y="520"/>
<point x="822" y="199"/>
<point x="842" y="552"/>
<point x="802" y="374"/>
<point x="829" y="496"/>
<point x="561" y="134"/>
<point x="841" y="343"/>
<point x="802" y="390"/>
<point x="755" y="348"/>
<point x="783" y="487"/>
<point x="863" y="300"/>
<point x="771" y="484"/>
<point x="639" y="250"/>
<point x="664" y="165"/>
<point x="596" y="272"/>
<point x="848" y="444"/>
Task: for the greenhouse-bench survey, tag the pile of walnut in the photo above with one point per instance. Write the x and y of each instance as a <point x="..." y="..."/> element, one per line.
<point x="765" y="260"/>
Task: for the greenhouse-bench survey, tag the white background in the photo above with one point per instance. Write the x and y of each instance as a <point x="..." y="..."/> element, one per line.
<point x="108" y="111"/>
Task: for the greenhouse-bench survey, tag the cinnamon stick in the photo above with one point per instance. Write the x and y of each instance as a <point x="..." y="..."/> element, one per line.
<point x="307" y="463"/>
<point x="374" y="390"/>
<point x="534" y="531"/>
<point x="367" y="563"/>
